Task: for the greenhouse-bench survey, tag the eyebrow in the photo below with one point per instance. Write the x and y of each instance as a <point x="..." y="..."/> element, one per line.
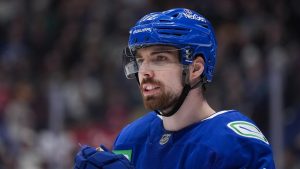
<point x="165" y="48"/>
<point x="163" y="51"/>
<point x="160" y="50"/>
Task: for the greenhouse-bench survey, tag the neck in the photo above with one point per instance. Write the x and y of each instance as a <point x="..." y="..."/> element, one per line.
<point x="194" y="109"/>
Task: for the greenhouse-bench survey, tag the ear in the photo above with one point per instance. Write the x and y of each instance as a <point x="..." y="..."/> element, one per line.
<point x="196" y="69"/>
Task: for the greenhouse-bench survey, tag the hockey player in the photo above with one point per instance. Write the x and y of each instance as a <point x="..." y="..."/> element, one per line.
<point x="172" y="55"/>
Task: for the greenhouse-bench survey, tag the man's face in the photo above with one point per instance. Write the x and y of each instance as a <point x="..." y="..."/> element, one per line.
<point x="159" y="76"/>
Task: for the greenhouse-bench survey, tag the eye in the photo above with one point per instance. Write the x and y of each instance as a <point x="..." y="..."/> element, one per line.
<point x="161" y="58"/>
<point x="139" y="61"/>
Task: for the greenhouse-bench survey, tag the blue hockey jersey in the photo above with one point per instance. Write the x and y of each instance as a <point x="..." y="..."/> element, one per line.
<point x="225" y="140"/>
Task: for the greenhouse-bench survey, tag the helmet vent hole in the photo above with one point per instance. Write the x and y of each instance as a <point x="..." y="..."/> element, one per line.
<point x="205" y="26"/>
<point x="171" y="34"/>
<point x="175" y="15"/>
<point x="163" y="20"/>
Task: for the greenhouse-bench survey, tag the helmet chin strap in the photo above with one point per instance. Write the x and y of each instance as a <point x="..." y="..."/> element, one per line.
<point x="185" y="91"/>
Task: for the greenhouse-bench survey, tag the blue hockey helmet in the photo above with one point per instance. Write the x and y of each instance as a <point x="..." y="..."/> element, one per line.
<point x="182" y="28"/>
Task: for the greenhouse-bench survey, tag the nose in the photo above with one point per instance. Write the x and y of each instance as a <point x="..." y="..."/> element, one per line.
<point x="145" y="71"/>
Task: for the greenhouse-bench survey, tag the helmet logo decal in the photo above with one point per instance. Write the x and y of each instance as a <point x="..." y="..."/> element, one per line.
<point x="141" y="30"/>
<point x="149" y="17"/>
<point x="190" y="15"/>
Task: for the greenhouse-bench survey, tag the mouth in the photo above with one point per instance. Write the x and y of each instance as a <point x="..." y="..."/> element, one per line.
<point x="150" y="89"/>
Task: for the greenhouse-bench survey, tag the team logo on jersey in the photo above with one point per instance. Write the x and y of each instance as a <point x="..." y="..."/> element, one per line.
<point x="164" y="139"/>
<point x="247" y="129"/>
<point x="126" y="153"/>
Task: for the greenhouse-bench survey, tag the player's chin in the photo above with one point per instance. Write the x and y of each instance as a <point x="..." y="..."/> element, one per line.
<point x="151" y="103"/>
<point x="149" y="100"/>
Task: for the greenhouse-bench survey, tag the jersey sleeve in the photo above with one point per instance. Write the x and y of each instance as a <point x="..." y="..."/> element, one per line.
<point x="250" y="154"/>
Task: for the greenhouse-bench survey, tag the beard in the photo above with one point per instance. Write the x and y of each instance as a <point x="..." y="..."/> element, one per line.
<point x="163" y="101"/>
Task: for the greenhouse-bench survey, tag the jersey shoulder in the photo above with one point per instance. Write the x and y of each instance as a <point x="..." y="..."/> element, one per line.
<point x="234" y="125"/>
<point x="238" y="141"/>
<point x="137" y="130"/>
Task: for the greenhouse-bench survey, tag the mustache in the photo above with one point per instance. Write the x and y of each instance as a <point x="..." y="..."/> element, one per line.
<point x="149" y="80"/>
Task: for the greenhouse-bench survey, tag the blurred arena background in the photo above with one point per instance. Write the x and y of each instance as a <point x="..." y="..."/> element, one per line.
<point x="62" y="83"/>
